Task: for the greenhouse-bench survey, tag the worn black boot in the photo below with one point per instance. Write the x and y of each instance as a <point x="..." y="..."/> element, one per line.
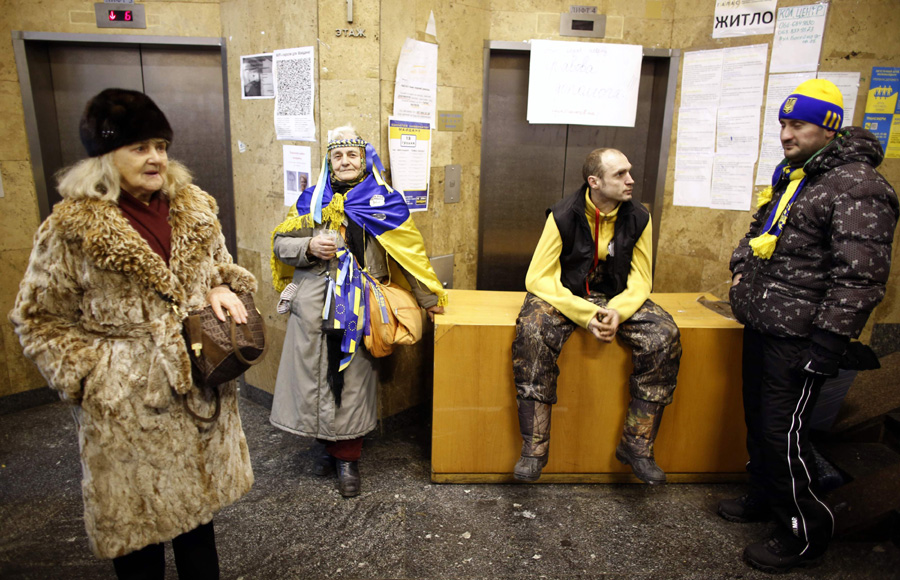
<point x="636" y="447"/>
<point x="534" y="423"/>
<point x="348" y="478"/>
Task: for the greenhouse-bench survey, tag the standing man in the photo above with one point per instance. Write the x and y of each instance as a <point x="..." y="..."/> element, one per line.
<point x="593" y="268"/>
<point x="805" y="279"/>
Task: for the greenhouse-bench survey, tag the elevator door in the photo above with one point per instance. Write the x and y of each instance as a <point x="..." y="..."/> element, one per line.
<point x="186" y="83"/>
<point x="527" y="168"/>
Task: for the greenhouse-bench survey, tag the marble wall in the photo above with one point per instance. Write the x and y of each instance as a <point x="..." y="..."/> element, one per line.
<point x="354" y="84"/>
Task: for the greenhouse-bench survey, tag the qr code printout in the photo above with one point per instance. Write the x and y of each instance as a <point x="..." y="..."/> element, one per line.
<point x="294" y="87"/>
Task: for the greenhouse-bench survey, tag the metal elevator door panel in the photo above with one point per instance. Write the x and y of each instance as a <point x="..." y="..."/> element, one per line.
<point x="527" y="168"/>
<point x="188" y="86"/>
<point x="186" y="82"/>
<point x="522" y="174"/>
<point x="79" y="72"/>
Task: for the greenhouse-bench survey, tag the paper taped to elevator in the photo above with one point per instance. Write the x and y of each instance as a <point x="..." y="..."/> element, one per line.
<point x="580" y="83"/>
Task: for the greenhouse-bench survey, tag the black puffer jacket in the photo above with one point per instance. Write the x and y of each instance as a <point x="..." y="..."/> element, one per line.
<point x="831" y="263"/>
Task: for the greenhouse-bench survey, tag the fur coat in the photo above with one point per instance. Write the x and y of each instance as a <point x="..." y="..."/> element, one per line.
<point x="90" y="314"/>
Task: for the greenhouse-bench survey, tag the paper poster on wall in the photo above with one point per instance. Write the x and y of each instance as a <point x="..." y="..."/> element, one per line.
<point x="798" y="38"/>
<point x="848" y="84"/>
<point x="721" y="96"/>
<point x="693" y="178"/>
<point x="701" y="79"/>
<point x="295" y="91"/>
<point x="696" y="131"/>
<point x="410" y="148"/>
<point x="732" y="183"/>
<point x="882" y="116"/>
<point x="743" y="75"/>
<point x="415" y="87"/>
<point x="257" y="77"/>
<point x="583" y="83"/>
<point x="737" y="132"/>
<point x="744" y="18"/>
<point x="297" y="170"/>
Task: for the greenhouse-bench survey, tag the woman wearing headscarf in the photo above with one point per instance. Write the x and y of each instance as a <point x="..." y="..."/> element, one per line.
<point x="133" y="246"/>
<point x="349" y="223"/>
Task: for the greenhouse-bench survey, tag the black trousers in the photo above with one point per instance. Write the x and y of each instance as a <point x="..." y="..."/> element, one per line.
<point x="195" y="558"/>
<point x="778" y="405"/>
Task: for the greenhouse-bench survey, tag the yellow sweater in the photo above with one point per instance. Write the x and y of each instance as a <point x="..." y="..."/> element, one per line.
<point x="544" y="274"/>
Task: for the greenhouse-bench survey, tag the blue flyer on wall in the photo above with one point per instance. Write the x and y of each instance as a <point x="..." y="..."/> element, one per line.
<point x="882" y="116"/>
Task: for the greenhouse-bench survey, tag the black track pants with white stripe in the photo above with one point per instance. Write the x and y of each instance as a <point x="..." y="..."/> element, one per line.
<point x="778" y="405"/>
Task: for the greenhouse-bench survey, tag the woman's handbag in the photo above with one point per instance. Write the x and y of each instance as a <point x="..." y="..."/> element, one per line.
<point x="222" y="351"/>
<point x="394" y="318"/>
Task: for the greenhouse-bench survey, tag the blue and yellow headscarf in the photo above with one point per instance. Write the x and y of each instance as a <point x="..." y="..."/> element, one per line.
<point x="379" y="210"/>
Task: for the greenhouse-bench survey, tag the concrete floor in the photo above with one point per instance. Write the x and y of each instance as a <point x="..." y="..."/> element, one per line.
<point x="295" y="525"/>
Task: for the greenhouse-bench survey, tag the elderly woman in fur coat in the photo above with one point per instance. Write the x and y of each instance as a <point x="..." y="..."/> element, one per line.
<point x="131" y="247"/>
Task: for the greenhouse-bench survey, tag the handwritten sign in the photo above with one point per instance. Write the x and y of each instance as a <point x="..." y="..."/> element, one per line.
<point x="581" y="83"/>
<point x="798" y="38"/>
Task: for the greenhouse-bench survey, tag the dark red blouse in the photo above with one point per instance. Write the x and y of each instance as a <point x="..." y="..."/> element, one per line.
<point x="151" y="221"/>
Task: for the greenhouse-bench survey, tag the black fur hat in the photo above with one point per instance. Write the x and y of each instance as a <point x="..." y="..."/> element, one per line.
<point x="119" y="117"/>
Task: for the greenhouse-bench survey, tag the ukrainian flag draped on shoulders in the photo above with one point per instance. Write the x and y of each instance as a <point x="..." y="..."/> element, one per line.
<point x="377" y="208"/>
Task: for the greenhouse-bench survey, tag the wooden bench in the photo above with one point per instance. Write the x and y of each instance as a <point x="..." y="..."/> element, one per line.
<point x="475" y="429"/>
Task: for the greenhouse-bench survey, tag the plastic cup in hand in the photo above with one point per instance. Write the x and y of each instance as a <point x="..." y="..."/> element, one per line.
<point x="332" y="235"/>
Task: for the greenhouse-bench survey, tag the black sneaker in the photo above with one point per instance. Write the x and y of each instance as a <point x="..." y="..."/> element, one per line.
<point x="750" y="507"/>
<point x="780" y="553"/>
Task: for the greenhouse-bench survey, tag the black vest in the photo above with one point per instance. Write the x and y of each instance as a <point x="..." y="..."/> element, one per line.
<point x="577" y="254"/>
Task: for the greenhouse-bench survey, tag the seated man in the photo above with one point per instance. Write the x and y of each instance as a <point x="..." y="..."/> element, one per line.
<point x="592" y="267"/>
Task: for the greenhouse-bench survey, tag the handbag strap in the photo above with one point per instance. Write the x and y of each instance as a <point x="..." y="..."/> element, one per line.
<point x="201" y="418"/>
<point x="236" y="348"/>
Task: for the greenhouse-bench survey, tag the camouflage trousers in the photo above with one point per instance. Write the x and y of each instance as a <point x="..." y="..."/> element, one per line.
<point x="542" y="330"/>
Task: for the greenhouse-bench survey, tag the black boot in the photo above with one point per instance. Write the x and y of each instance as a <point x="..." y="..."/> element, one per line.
<point x="781" y="553"/>
<point x="534" y="423"/>
<point x="636" y="447"/>
<point x="348" y="478"/>
<point x="750" y="507"/>
<point x="324" y="464"/>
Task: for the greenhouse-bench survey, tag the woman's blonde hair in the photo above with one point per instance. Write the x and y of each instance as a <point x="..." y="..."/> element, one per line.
<point x="98" y="177"/>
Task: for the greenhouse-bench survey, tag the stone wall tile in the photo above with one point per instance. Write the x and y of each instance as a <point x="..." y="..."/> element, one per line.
<point x="349" y="57"/>
<point x="19" y="205"/>
<point x="513" y="26"/>
<point x="21" y="374"/>
<point x="14" y="145"/>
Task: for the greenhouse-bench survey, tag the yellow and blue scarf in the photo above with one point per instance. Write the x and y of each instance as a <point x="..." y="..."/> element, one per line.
<point x="379" y="210"/>
<point x="763" y="245"/>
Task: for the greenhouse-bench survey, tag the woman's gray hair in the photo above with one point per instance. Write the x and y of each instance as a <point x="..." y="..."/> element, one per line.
<point x="98" y="177"/>
<point x="342" y="133"/>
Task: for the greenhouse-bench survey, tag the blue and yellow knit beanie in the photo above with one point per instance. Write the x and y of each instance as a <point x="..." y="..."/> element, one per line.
<point x="815" y="101"/>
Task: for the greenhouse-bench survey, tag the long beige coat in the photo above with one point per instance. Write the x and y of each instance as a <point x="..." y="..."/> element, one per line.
<point x="90" y="314"/>
<point x="303" y="402"/>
